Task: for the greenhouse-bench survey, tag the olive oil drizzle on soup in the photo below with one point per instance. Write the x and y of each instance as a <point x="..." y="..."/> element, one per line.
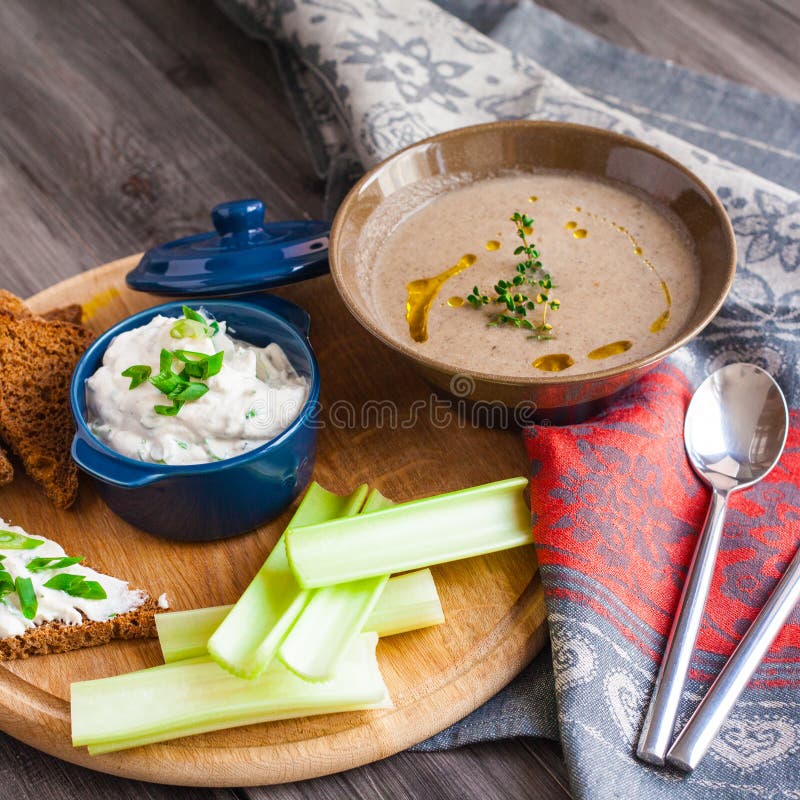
<point x="623" y="270"/>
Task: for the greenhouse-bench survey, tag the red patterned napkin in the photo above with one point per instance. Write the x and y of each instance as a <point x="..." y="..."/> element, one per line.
<point x="616" y="511"/>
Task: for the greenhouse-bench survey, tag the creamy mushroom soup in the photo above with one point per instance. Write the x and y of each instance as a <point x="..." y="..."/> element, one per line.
<point x="611" y="276"/>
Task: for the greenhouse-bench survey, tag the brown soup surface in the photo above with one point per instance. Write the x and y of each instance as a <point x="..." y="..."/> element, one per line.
<point x="623" y="271"/>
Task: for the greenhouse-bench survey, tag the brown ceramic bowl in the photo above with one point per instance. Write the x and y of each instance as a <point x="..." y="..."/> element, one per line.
<point x="524" y="145"/>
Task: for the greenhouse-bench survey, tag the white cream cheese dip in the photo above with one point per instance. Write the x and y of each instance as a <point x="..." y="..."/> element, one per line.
<point x="254" y="397"/>
<point x="54" y="605"/>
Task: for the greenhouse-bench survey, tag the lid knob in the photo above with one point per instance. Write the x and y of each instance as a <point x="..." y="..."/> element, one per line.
<point x="238" y="216"/>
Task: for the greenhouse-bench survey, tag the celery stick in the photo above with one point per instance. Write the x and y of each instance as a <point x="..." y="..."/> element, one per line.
<point x="196" y="696"/>
<point x="185" y="634"/>
<point x="251" y="633"/>
<point x="332" y="618"/>
<point x="408" y="602"/>
<point x="447" y="527"/>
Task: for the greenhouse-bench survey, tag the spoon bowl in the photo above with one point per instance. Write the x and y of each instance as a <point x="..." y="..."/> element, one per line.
<point x="736" y="427"/>
<point x="735" y="431"/>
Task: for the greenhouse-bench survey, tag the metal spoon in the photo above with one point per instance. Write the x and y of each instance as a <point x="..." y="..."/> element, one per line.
<point x="735" y="431"/>
<point x="695" y="739"/>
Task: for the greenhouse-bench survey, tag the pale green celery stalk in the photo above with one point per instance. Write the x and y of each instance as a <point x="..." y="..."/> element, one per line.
<point x="251" y="633"/>
<point x="408" y="602"/>
<point x="332" y="618"/>
<point x="196" y="696"/>
<point x="185" y="634"/>
<point x="434" y="530"/>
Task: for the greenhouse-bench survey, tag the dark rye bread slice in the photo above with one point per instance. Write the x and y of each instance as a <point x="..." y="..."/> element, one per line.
<point x="6" y="468"/>
<point x="72" y="313"/>
<point x="57" y="637"/>
<point x="37" y="359"/>
<point x="12" y="305"/>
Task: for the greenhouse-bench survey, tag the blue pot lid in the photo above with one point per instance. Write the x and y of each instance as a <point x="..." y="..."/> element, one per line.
<point x="242" y="254"/>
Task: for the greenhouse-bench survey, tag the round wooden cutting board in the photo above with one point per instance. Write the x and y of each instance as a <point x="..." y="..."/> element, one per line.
<point x="494" y="607"/>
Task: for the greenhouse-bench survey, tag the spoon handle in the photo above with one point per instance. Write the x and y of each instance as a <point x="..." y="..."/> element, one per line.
<point x="660" y="720"/>
<point x="695" y="739"/>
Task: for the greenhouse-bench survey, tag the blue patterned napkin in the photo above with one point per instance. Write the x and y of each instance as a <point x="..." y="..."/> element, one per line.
<point x="369" y="77"/>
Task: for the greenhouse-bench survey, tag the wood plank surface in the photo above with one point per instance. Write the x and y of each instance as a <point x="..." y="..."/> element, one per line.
<point x="750" y="41"/>
<point x="75" y="192"/>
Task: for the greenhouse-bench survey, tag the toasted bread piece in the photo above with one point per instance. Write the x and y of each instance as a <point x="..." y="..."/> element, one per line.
<point x="10" y="306"/>
<point x="56" y="637"/>
<point x="13" y="306"/>
<point x="6" y="468"/>
<point x="60" y="622"/>
<point x="72" y="313"/>
<point x="36" y="363"/>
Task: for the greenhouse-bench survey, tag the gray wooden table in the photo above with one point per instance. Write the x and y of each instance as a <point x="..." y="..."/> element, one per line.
<point x="122" y="122"/>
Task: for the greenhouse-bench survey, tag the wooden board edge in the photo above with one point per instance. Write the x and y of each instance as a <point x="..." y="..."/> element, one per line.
<point x="48" y="298"/>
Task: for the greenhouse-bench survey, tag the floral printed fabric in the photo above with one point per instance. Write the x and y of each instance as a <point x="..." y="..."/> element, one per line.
<point x="619" y="507"/>
<point x="376" y="75"/>
<point x="372" y="76"/>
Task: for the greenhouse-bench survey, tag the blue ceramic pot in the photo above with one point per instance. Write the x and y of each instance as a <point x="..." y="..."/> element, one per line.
<point x="200" y="502"/>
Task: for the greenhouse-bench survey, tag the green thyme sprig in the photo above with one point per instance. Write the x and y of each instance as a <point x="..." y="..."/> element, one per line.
<point x="187" y="385"/>
<point x="515" y="294"/>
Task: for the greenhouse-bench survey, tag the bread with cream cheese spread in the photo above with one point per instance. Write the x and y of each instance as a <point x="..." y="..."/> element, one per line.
<point x="57" y="637"/>
<point x="67" y="604"/>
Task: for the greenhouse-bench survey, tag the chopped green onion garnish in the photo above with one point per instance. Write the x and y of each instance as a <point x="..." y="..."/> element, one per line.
<point x="188" y="393"/>
<point x="76" y="586"/>
<point x="28" y="603"/>
<point x="165" y="361"/>
<point x="199" y="365"/>
<point x="53" y="562"/>
<point x="6" y="583"/>
<point x="213" y="364"/>
<point x="178" y="387"/>
<point x="168" y="411"/>
<point x="193" y="326"/>
<point x="190" y="313"/>
<point x="167" y="382"/>
<point x="16" y="541"/>
<point x="91" y="590"/>
<point x="189" y="356"/>
<point x="138" y="374"/>
<point x="188" y="329"/>
<point x="65" y="582"/>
